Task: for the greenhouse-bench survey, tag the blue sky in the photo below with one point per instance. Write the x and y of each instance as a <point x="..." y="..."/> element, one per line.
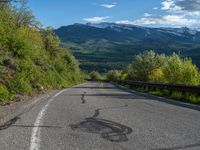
<point x="172" y="13"/>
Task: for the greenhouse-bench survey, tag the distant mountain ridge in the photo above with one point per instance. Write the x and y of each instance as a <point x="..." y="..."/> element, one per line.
<point x="109" y="41"/>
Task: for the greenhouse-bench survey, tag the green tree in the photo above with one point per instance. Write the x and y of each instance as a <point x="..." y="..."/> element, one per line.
<point x="114" y="75"/>
<point x="181" y="71"/>
<point x="51" y="42"/>
<point x="94" y="75"/>
<point x="144" y="64"/>
<point x="172" y="69"/>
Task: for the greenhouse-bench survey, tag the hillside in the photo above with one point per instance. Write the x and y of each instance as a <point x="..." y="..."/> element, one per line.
<point x="101" y="46"/>
<point x="31" y="59"/>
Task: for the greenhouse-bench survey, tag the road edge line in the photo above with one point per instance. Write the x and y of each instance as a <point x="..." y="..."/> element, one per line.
<point x="35" y="134"/>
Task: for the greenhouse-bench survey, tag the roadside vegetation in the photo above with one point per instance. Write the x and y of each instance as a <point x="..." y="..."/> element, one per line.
<point x="31" y="59"/>
<point x="160" y="68"/>
<point x="95" y="76"/>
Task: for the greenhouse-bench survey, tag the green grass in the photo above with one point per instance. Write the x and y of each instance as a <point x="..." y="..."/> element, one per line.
<point x="5" y="95"/>
<point x="176" y="95"/>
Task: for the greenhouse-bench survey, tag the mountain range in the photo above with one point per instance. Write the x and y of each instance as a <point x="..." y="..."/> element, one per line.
<point x="106" y="46"/>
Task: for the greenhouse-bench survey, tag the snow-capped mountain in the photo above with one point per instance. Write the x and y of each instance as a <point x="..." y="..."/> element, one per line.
<point x="116" y="40"/>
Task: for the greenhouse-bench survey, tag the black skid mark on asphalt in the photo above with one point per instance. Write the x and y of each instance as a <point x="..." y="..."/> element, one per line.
<point x="107" y="129"/>
<point x="83" y="98"/>
<point x="9" y="123"/>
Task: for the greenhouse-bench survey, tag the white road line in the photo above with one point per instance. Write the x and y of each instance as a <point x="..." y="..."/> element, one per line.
<point x="35" y="137"/>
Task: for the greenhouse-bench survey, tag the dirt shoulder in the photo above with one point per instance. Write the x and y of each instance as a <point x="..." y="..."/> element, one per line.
<point x="14" y="109"/>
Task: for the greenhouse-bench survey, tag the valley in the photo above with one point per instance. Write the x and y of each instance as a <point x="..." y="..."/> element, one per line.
<point x="108" y="46"/>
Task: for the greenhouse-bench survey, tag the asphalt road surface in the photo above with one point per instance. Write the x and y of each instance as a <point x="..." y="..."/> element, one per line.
<point x="101" y="116"/>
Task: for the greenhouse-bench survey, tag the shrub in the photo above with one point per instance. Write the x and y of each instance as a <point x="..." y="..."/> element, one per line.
<point x="52" y="80"/>
<point x="20" y="85"/>
<point x="4" y="94"/>
<point x="95" y="76"/>
<point x="18" y="45"/>
<point x="157" y="75"/>
<point x="114" y="75"/>
<point x="172" y="69"/>
<point x="143" y="65"/>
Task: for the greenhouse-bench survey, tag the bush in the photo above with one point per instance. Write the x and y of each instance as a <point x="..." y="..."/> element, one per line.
<point x="157" y="75"/>
<point x="114" y="75"/>
<point x="95" y="76"/>
<point x="4" y="94"/>
<point x="143" y="65"/>
<point x="52" y="80"/>
<point x="18" y="45"/>
<point x="172" y="69"/>
<point x="20" y="84"/>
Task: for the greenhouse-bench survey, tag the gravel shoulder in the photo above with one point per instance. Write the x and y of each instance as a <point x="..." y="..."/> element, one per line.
<point x="14" y="109"/>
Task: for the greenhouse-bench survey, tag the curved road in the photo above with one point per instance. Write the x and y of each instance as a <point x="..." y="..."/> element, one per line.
<point x="102" y="116"/>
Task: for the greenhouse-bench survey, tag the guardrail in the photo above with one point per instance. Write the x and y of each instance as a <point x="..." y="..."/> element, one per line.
<point x="170" y="87"/>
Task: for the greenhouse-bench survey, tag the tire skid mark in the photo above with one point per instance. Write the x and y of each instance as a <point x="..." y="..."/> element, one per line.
<point x="108" y="130"/>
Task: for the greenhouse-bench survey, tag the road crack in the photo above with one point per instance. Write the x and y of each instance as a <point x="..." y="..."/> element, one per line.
<point x="83" y="98"/>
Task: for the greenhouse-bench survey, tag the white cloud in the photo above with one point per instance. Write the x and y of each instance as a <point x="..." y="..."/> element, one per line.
<point x="169" y="5"/>
<point x="166" y="20"/>
<point x="96" y="19"/>
<point x="147" y="14"/>
<point x="176" y="13"/>
<point x="108" y="5"/>
<point x="124" y="22"/>
<point x="183" y="7"/>
<point x="166" y="5"/>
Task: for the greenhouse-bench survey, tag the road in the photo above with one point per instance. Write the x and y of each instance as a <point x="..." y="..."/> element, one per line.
<point x="102" y="116"/>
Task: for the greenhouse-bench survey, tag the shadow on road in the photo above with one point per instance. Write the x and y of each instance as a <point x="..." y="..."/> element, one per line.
<point x="12" y="122"/>
<point x="113" y="95"/>
<point x="93" y="87"/>
<point x="9" y="123"/>
<point x="107" y="129"/>
<point x="31" y="126"/>
<point x="180" y="147"/>
<point x="156" y="98"/>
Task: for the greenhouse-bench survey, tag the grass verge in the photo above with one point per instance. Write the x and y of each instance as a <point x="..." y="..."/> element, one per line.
<point x="176" y="95"/>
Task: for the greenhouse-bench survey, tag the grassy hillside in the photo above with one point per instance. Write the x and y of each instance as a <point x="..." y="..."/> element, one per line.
<point x="31" y="58"/>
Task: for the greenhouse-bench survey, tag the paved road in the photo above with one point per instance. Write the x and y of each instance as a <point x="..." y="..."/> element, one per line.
<point x="100" y="116"/>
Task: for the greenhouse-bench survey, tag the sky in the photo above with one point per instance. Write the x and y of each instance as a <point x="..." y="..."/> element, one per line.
<point x="153" y="13"/>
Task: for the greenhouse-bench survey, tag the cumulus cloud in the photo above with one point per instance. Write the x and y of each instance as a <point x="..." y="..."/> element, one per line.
<point x="169" y="5"/>
<point x="96" y="19"/>
<point x="166" y="5"/>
